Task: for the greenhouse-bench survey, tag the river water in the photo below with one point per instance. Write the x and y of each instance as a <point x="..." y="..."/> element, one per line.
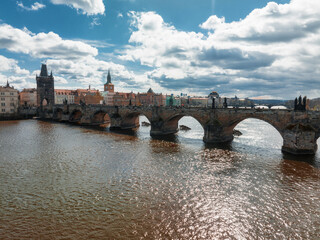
<point x="61" y="181"/>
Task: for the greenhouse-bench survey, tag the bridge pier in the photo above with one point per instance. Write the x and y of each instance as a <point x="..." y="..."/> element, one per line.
<point x="85" y="120"/>
<point x="64" y="118"/>
<point x="115" y="121"/>
<point x="160" y="128"/>
<point x="130" y="122"/>
<point x="300" y="140"/>
<point x="215" y="133"/>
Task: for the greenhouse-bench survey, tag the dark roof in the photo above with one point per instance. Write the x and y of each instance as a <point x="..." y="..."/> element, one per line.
<point x="44" y="71"/>
<point x="108" y="78"/>
<point x="150" y="90"/>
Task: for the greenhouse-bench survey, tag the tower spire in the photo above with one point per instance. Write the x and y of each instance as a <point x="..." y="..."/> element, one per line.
<point x="108" y="77"/>
<point x="8" y="83"/>
<point x="44" y="71"/>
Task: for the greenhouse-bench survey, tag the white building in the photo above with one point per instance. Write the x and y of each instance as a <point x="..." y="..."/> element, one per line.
<point x="60" y="95"/>
<point x="108" y="98"/>
<point x="9" y="100"/>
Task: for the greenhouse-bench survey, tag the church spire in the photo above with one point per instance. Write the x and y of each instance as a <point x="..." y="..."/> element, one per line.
<point x="8" y="83"/>
<point x="108" y="77"/>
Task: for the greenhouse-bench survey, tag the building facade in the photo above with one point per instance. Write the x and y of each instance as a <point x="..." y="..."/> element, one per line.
<point x="28" y="97"/>
<point x="151" y="99"/>
<point x="62" y="95"/>
<point x="198" y="102"/>
<point x="173" y="101"/>
<point x="87" y="96"/>
<point x="108" y="98"/>
<point x="124" y="99"/>
<point x="9" y="100"/>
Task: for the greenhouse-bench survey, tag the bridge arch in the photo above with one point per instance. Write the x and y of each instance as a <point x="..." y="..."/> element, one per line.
<point x="258" y="134"/>
<point x="45" y="102"/>
<point x="131" y="120"/>
<point x="75" y="116"/>
<point x="100" y="117"/>
<point x="172" y="123"/>
<point x="234" y="123"/>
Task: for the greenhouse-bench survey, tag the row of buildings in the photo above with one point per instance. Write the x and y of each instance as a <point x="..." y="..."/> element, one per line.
<point x="46" y="92"/>
<point x="12" y="99"/>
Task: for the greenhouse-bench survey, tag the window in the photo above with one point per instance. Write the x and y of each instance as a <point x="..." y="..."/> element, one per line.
<point x="3" y="110"/>
<point x="11" y="104"/>
<point x="3" y="104"/>
<point x="11" y="110"/>
<point x="2" y="93"/>
<point x="2" y="99"/>
<point x="12" y="99"/>
<point x="11" y="93"/>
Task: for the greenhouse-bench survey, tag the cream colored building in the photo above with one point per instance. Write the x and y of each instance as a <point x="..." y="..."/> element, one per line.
<point x="28" y="97"/>
<point x="60" y="95"/>
<point x="108" y="98"/>
<point x="9" y="100"/>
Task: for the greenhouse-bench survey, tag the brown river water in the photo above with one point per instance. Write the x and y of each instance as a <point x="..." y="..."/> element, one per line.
<point x="62" y="181"/>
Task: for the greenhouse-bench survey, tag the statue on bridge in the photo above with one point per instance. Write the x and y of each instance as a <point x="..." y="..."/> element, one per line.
<point x="225" y="104"/>
<point x="300" y="104"/>
<point x="213" y="103"/>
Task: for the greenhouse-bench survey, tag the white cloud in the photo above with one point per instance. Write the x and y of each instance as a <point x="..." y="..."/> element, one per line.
<point x="90" y="71"/>
<point x="60" y="80"/>
<point x="273" y="51"/>
<point x="273" y="23"/>
<point x="17" y="77"/>
<point x="95" y="22"/>
<point x="212" y="22"/>
<point x="96" y="43"/>
<point x="9" y="65"/>
<point x="42" y="45"/>
<point x="34" y="7"/>
<point x="89" y="7"/>
<point x="74" y="63"/>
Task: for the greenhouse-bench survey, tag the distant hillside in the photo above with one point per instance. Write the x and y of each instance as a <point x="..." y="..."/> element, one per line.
<point x="314" y="104"/>
<point x="272" y="102"/>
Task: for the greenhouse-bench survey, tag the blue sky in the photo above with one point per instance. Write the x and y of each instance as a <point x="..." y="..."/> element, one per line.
<point x="248" y="48"/>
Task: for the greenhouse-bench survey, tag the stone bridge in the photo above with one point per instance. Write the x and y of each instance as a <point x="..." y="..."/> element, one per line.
<point x="299" y="129"/>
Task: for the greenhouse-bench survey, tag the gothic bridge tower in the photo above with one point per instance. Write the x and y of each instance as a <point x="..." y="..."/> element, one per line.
<point x="45" y="88"/>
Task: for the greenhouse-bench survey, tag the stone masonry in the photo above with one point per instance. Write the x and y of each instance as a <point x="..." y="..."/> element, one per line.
<point x="299" y="129"/>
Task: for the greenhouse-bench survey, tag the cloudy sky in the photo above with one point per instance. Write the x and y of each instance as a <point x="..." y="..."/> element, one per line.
<point x="248" y="48"/>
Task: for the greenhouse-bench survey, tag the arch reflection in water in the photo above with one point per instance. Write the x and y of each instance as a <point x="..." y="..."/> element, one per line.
<point x="257" y="133"/>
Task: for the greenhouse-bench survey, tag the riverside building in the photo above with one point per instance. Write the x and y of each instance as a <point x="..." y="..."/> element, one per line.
<point x="28" y="97"/>
<point x="9" y="100"/>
